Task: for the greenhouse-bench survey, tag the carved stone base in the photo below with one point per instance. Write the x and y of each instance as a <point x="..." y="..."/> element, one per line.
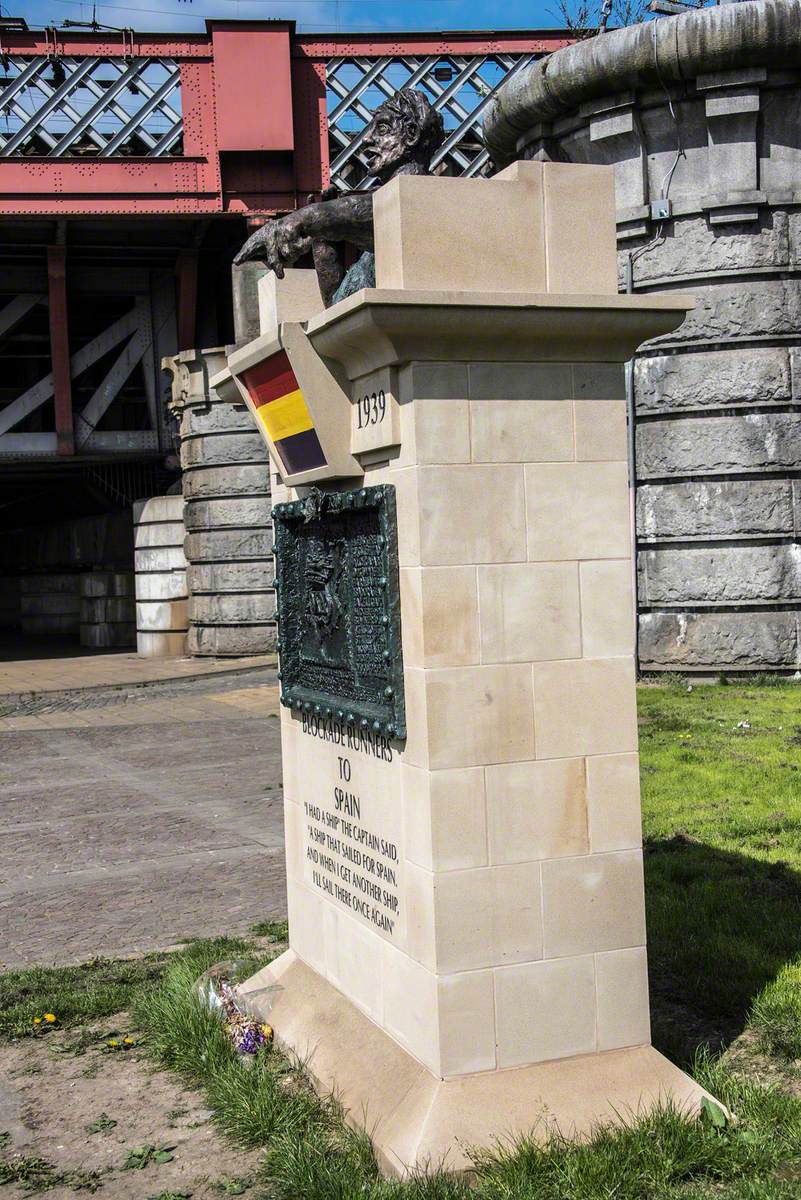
<point x="417" y="1120"/>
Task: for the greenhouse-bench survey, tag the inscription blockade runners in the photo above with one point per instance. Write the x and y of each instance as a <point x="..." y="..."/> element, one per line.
<point x="345" y="857"/>
<point x="339" y="610"/>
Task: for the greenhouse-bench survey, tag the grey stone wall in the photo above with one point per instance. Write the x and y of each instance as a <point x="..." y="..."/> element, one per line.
<point x="226" y="486"/>
<point x="718" y="419"/>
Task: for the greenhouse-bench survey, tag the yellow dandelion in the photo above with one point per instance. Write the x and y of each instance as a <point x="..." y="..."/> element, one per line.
<point x="50" y="1018"/>
<point x="113" y="1042"/>
<point x="128" y="1041"/>
<point x="37" y="1020"/>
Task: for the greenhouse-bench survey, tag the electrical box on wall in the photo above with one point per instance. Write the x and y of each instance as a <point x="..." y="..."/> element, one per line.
<point x="661" y="209"/>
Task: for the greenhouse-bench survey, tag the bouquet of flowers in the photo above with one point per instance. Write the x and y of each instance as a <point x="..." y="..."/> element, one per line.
<point x="218" y="990"/>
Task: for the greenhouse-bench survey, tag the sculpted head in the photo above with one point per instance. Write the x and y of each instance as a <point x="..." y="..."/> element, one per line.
<point x="405" y="129"/>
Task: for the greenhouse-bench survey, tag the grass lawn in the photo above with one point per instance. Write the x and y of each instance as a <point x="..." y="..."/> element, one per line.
<point x="721" y="790"/>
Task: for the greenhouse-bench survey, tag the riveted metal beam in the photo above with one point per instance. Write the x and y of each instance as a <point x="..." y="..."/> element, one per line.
<point x="461" y="99"/>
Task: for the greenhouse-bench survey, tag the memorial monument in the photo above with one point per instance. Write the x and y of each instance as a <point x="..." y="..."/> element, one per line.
<point x="459" y="730"/>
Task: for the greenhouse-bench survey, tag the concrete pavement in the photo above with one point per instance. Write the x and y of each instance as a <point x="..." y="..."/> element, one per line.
<point x="132" y="820"/>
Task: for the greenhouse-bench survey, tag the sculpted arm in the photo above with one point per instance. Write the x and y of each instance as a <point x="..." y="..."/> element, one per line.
<point x="281" y="242"/>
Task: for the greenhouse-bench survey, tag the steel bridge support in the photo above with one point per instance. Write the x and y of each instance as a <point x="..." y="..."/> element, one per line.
<point x="60" y="348"/>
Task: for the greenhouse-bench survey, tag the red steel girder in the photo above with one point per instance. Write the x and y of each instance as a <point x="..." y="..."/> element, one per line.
<point x="194" y="183"/>
<point x="60" y="348"/>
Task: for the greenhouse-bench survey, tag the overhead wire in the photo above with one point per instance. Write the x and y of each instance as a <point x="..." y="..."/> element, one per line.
<point x="174" y="12"/>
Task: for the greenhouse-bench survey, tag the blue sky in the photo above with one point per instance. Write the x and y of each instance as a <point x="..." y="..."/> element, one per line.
<point x="310" y="15"/>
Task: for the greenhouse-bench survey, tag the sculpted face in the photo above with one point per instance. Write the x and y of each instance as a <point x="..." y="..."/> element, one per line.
<point x="386" y="144"/>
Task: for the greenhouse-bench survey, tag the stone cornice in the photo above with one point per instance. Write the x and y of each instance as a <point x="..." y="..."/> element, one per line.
<point x="381" y="327"/>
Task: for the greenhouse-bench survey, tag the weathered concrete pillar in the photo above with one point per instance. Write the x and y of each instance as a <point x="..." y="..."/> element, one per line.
<point x="108" y="611"/>
<point x="226" y="483"/>
<point x="160" y="577"/>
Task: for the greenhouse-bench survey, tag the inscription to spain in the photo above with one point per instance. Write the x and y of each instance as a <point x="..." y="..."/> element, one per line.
<point x="352" y="825"/>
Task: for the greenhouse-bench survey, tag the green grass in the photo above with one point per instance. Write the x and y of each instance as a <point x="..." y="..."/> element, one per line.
<point x="722" y="826"/>
<point x="91" y="991"/>
<point x="311" y="1155"/>
<point x="776" y="1014"/>
<point x="736" y="789"/>
<point x="274" y="931"/>
<point x="249" y="1105"/>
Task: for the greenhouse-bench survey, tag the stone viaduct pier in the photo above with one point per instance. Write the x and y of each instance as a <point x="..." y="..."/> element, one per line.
<point x="698" y="114"/>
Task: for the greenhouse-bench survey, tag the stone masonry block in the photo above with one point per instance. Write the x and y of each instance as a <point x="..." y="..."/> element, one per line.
<point x="720" y="574"/>
<point x="593" y="902"/>
<point x="519" y="381"/>
<point x="719" y="378"/>
<point x="230" y="641"/>
<point x="741" y="508"/>
<point x="223" y="449"/>
<point x="251" y="575"/>
<point x="434" y="381"/>
<point x="577" y="510"/>
<point x="217" y="544"/>
<point x="204" y="482"/>
<point x="696" y="249"/>
<point x="751" y="308"/>
<point x="215" y="417"/>
<point x="471" y="514"/>
<point x="719" y="641"/>
<point x="718" y="445"/>
<point x="242" y="512"/>
<point x="250" y="609"/>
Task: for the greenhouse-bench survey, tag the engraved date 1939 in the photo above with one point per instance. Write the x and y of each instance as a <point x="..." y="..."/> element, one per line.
<point x="372" y="409"/>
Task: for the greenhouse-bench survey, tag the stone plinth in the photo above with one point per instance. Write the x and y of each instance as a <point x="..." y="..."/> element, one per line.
<point x="466" y="908"/>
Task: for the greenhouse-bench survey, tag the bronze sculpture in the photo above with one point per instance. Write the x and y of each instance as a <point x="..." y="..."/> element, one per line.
<point x="401" y="139"/>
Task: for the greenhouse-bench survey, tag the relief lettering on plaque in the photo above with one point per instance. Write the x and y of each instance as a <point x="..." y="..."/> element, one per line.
<point x="339" y="608"/>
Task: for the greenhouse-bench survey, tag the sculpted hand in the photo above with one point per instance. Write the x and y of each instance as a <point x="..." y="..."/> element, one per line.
<point x="277" y="244"/>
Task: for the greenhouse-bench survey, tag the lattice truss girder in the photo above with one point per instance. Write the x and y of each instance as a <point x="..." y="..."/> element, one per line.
<point x="123" y="344"/>
<point x="459" y="87"/>
<point x="90" y="107"/>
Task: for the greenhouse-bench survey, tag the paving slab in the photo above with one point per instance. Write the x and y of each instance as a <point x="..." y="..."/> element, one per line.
<point x="31" y="667"/>
<point x="125" y="827"/>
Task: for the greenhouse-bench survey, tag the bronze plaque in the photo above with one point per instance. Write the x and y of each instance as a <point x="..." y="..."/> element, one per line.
<point x="339" y="608"/>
